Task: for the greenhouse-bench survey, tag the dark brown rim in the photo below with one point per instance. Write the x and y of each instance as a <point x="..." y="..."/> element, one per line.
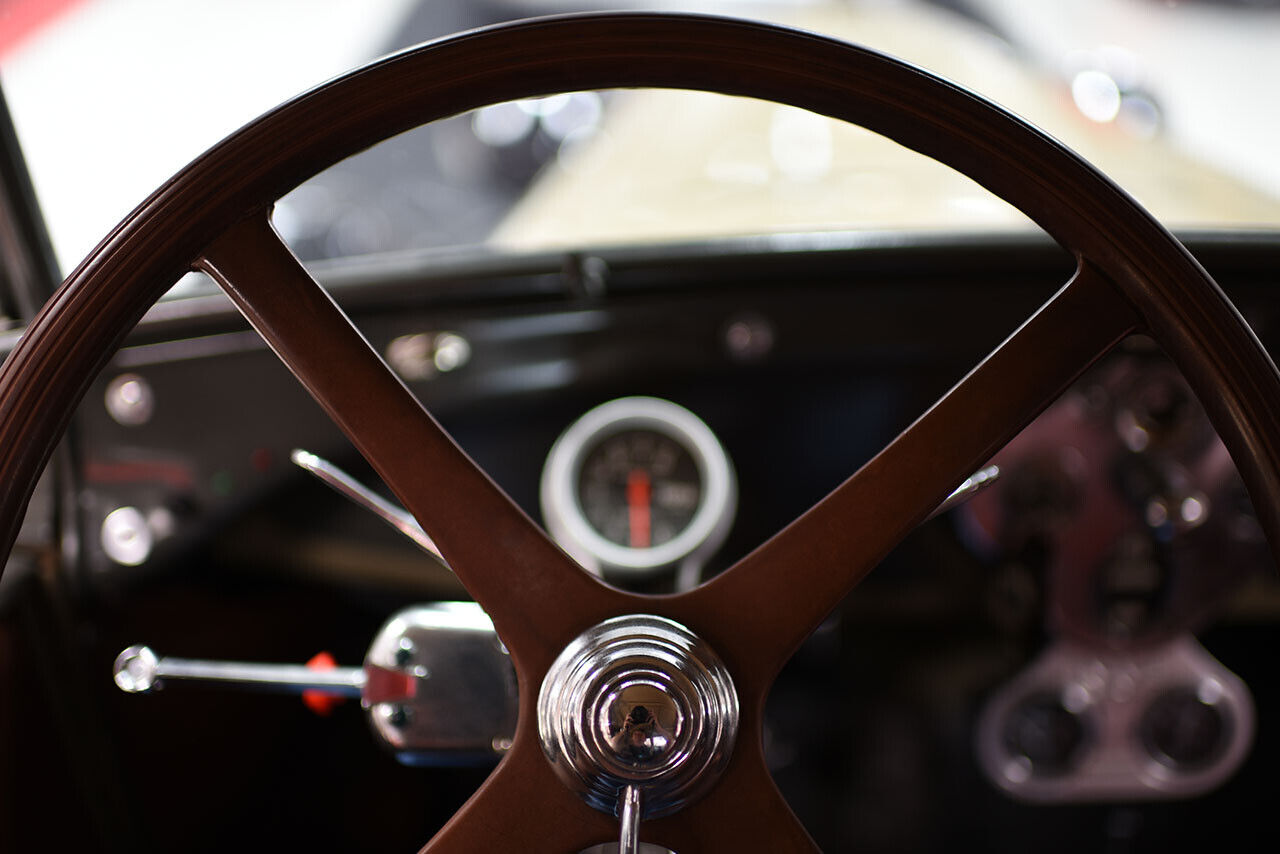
<point x="1132" y="275"/>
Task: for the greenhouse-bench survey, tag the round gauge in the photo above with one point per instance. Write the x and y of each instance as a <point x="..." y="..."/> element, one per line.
<point x="638" y="484"/>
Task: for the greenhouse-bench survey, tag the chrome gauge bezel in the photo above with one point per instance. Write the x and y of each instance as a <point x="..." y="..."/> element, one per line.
<point x="566" y="519"/>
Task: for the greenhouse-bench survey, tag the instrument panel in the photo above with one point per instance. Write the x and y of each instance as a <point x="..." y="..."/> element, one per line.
<point x="639" y="486"/>
<point x="981" y="671"/>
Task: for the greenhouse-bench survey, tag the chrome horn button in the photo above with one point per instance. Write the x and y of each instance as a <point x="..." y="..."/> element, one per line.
<point x="641" y="702"/>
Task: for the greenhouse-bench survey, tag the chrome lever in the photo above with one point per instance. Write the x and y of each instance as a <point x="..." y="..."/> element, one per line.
<point x="437" y="685"/>
<point x="347" y="485"/>
<point x="630" y="811"/>
<point x="403" y="521"/>
<point x="972" y="485"/>
<point x="139" y="670"/>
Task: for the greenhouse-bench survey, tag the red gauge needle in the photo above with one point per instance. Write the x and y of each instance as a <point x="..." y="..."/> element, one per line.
<point x="638" y="497"/>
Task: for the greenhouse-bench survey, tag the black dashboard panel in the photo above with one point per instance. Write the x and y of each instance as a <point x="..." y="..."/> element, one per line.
<point x="858" y="346"/>
<point x="870" y="729"/>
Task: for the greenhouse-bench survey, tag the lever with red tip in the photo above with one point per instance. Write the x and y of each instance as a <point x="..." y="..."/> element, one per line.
<point x="437" y="683"/>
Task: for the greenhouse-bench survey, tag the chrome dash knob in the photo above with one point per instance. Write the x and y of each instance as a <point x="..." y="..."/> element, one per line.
<point x="638" y="702"/>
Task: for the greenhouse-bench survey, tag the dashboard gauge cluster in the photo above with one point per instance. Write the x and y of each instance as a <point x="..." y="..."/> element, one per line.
<point x="1117" y="500"/>
<point x="1118" y="497"/>
<point x="1088" y="726"/>
<point x="637" y="487"/>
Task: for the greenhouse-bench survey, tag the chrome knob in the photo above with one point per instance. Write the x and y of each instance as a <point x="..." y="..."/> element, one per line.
<point x="641" y="722"/>
<point x="638" y="702"/>
<point x="137" y="669"/>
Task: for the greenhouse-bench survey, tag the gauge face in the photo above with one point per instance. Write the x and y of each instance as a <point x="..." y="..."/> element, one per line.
<point x="639" y="488"/>
<point x="638" y="484"/>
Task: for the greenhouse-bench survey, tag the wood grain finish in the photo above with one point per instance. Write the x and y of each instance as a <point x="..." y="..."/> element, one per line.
<point x="505" y="561"/>
<point x="782" y="591"/>
<point x="1132" y="275"/>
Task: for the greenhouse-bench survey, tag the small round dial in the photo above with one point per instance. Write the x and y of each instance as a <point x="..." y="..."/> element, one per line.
<point x="638" y="484"/>
<point x="639" y="488"/>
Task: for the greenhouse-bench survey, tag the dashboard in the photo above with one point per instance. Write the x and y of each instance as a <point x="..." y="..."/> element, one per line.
<point x="993" y="681"/>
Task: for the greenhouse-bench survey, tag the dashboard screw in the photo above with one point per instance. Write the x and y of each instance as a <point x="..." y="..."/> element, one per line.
<point x="130" y="400"/>
<point x="404" y="654"/>
<point x="125" y="536"/>
<point x="400" y="716"/>
<point x="749" y="337"/>
<point x="452" y="351"/>
<point x="412" y="357"/>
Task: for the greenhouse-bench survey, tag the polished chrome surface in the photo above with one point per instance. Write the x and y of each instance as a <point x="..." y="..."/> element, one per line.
<point x="638" y="701"/>
<point x="135" y="670"/>
<point x="347" y="485"/>
<point x="139" y="670"/>
<point x="612" y="848"/>
<point x="1111" y="697"/>
<point x="437" y="683"/>
<point x="452" y="351"/>
<point x="972" y="485"/>
<point x="644" y="721"/>
<point x="125" y="536"/>
<point x="445" y="688"/>
<point x="130" y="400"/>
<point x="630" y="809"/>
<point x="424" y="355"/>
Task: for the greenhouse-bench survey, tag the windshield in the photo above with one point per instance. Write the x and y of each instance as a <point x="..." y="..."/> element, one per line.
<point x="1174" y="100"/>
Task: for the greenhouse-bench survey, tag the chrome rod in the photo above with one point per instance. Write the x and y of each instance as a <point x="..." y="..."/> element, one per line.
<point x="347" y="485"/>
<point x="139" y="670"/>
<point x="972" y="485"/>
<point x="404" y="522"/>
<point x="630" y="812"/>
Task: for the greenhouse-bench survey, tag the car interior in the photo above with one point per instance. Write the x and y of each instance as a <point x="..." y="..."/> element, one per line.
<point x="482" y="450"/>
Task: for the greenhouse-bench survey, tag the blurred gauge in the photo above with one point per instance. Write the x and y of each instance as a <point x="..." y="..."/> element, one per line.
<point x="636" y="486"/>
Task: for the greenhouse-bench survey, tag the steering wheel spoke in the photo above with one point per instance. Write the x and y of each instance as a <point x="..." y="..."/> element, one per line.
<point x="523" y="807"/>
<point x="778" y="594"/>
<point x="499" y="554"/>
<point x="745" y="812"/>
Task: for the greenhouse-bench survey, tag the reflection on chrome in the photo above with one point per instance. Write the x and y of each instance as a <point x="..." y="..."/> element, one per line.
<point x="347" y="485"/>
<point x="638" y="702"/>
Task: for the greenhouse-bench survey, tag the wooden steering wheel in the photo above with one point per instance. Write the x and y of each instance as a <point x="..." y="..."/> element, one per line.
<point x="215" y="216"/>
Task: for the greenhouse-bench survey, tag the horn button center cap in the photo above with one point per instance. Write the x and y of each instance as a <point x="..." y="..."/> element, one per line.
<point x="638" y="701"/>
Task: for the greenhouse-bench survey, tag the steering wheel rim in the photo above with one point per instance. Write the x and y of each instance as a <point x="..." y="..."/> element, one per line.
<point x="214" y="215"/>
